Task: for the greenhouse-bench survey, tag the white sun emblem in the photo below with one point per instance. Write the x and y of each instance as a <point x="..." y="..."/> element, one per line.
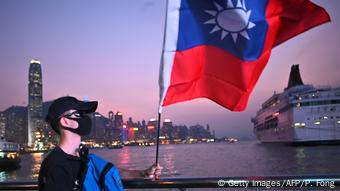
<point x="233" y="20"/>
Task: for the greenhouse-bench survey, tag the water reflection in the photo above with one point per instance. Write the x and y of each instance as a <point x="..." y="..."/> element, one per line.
<point x="216" y="159"/>
<point x="7" y="175"/>
<point x="37" y="160"/>
<point x="300" y="158"/>
<point x="124" y="157"/>
<point x="168" y="161"/>
<point x="300" y="155"/>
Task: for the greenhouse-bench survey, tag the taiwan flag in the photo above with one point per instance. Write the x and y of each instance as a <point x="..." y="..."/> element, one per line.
<point x="217" y="49"/>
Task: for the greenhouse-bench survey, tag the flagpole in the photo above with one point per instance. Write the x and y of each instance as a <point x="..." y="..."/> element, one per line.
<point x="158" y="130"/>
<point x="160" y="106"/>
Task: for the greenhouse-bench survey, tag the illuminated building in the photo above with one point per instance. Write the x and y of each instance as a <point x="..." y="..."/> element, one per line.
<point x="16" y="124"/>
<point x="35" y="104"/>
<point x="2" y="125"/>
<point x="114" y="133"/>
<point x="167" y="129"/>
<point x="131" y="133"/>
<point x="118" y="121"/>
<point x="152" y="128"/>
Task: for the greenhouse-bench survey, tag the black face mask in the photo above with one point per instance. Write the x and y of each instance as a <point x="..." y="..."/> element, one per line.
<point x="84" y="126"/>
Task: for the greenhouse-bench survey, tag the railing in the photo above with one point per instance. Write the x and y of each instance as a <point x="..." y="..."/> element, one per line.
<point x="257" y="182"/>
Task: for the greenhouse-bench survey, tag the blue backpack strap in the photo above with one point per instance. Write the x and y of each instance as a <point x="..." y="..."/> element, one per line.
<point x="102" y="175"/>
<point x="105" y="170"/>
<point x="83" y="154"/>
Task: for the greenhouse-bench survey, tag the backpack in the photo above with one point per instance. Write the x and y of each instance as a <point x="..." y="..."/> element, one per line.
<point x="101" y="175"/>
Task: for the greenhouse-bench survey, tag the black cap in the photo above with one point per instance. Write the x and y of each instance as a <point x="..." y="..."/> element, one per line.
<point x="63" y="104"/>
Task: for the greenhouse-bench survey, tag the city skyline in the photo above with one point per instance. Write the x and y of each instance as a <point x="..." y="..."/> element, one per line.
<point x="112" y="55"/>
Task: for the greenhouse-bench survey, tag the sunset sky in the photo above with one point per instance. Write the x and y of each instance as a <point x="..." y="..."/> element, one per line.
<point x="110" y="51"/>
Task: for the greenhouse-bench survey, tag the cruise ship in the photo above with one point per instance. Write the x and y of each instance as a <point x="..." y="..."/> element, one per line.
<point x="301" y="114"/>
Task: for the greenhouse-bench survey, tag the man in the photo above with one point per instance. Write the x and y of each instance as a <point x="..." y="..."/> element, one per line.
<point x="61" y="169"/>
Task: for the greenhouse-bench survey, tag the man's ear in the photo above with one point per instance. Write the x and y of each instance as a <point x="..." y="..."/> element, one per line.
<point x="64" y="122"/>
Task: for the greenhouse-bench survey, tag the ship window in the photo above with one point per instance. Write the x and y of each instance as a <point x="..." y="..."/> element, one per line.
<point x="271" y="123"/>
<point x="331" y="117"/>
<point x="299" y="125"/>
<point x="337" y="117"/>
<point x="308" y="118"/>
<point x="317" y="123"/>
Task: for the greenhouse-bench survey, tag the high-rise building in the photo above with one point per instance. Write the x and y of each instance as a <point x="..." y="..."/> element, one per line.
<point x="35" y="105"/>
<point x="111" y="116"/>
<point x="16" y="124"/>
<point x="118" y="120"/>
<point x="152" y="127"/>
<point x="167" y="129"/>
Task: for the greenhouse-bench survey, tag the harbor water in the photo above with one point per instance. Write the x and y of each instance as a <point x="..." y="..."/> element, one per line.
<point x="243" y="158"/>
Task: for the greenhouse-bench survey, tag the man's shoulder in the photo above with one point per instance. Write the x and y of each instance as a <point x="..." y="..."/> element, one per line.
<point x="54" y="157"/>
<point x="54" y="154"/>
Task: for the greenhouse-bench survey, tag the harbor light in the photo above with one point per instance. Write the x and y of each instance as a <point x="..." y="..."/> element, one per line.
<point x="37" y="134"/>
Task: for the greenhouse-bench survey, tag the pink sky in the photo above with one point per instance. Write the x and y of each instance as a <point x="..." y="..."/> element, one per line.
<point x="110" y="52"/>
